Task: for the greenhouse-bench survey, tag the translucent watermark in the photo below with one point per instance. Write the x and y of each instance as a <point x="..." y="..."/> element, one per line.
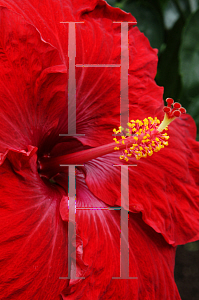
<point x="124" y="118"/>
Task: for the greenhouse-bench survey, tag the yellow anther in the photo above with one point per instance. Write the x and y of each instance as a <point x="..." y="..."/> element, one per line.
<point x="157" y="148"/>
<point x="135" y="138"/>
<point x="116" y="141"/>
<point x="157" y="139"/>
<point x="126" y="151"/>
<point x="126" y="159"/>
<point x="123" y="137"/>
<point x="116" y="148"/>
<point x="123" y="142"/>
<point x="150" y="153"/>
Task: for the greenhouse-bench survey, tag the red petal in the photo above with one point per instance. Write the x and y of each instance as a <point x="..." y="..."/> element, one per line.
<point x="42" y="15"/>
<point x="98" y="41"/>
<point x="151" y="259"/>
<point x="33" y="241"/>
<point x="32" y="84"/>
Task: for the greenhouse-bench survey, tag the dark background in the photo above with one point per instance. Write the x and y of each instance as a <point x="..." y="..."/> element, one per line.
<point x="172" y="26"/>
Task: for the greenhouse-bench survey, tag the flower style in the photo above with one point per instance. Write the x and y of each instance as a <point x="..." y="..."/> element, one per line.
<point x="163" y="188"/>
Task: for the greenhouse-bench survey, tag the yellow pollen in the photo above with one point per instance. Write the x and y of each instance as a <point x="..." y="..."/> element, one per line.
<point x="145" y="137"/>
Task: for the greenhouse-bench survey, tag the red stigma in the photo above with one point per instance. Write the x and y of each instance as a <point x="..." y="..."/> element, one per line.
<point x="173" y="109"/>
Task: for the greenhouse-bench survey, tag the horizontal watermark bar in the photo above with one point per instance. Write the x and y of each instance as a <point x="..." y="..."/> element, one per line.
<point x="98" y="65"/>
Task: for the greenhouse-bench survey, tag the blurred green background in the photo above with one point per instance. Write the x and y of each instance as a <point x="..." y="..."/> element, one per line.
<point x="172" y="26"/>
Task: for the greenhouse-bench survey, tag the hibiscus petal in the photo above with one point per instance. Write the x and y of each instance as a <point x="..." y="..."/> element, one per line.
<point x="151" y="259"/>
<point x="42" y="15"/>
<point x="98" y="41"/>
<point x="32" y="84"/>
<point x="33" y="240"/>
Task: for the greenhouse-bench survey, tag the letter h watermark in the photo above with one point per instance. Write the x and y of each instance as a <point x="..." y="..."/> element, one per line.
<point x="124" y="118"/>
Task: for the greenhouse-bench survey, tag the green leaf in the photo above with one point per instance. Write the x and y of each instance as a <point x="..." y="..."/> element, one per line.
<point x="193" y="4"/>
<point x="111" y="2"/>
<point x="171" y="14"/>
<point x="173" y="10"/>
<point x="149" y="21"/>
<point x="189" y="56"/>
<point x="192" y="246"/>
<point x="189" y="65"/>
<point x="168" y="73"/>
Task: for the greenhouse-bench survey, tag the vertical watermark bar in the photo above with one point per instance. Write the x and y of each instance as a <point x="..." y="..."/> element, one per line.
<point x="124" y="90"/>
<point x="124" y="258"/>
<point x="71" y="79"/>
<point x="124" y="236"/>
<point x="124" y="66"/>
<point x="124" y="101"/>
<point x="71" y="223"/>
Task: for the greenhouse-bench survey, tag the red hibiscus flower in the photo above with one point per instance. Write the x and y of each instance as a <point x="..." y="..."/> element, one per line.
<point x="163" y="188"/>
